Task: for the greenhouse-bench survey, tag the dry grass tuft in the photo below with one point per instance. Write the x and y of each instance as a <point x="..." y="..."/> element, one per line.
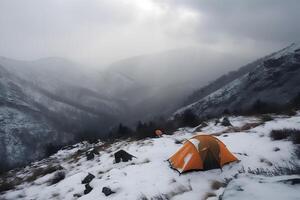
<point x="215" y="185"/>
<point x="286" y="134"/>
<point x="39" y="172"/>
<point x="208" y="195"/>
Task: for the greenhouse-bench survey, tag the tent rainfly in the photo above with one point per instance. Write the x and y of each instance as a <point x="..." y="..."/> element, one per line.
<point x="201" y="152"/>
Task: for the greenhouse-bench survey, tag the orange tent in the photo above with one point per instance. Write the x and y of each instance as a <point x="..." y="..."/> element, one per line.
<point x="201" y="152"/>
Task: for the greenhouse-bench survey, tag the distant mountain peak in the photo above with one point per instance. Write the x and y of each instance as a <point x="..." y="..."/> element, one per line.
<point x="287" y="50"/>
<point x="273" y="80"/>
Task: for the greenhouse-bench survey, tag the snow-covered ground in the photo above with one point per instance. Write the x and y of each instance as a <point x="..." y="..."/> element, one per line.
<point x="149" y="176"/>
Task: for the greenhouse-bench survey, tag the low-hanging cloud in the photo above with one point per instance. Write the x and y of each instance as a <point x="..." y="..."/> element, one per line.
<point x="103" y="31"/>
<point x="269" y="20"/>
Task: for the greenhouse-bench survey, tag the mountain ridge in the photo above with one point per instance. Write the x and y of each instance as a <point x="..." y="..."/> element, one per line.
<point x="273" y="75"/>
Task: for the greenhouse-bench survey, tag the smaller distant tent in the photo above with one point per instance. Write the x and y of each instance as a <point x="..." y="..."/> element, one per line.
<point x="201" y="152"/>
<point x="158" y="133"/>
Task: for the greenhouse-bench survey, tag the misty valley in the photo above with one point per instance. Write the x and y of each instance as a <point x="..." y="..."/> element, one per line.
<point x="149" y="100"/>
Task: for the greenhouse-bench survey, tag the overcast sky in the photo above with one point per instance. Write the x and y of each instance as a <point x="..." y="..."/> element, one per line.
<point x="103" y="31"/>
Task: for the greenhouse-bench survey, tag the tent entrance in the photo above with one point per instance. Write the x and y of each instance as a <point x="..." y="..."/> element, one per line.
<point x="210" y="161"/>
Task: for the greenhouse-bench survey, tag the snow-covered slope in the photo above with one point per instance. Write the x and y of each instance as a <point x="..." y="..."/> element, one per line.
<point x="266" y="169"/>
<point x="45" y="72"/>
<point x="275" y="80"/>
<point x="61" y="77"/>
<point x="46" y="102"/>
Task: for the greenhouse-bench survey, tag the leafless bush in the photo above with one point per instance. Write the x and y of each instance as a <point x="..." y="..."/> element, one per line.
<point x="5" y="186"/>
<point x="39" y="172"/>
<point x="276" y="171"/>
<point x="266" y="118"/>
<point x="215" y="185"/>
<point x="209" y="194"/>
<point x="58" y="176"/>
<point x="289" y="134"/>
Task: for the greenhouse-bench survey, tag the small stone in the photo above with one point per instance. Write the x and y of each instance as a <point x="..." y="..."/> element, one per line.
<point x="107" y="191"/>
<point x="77" y="195"/>
<point x="178" y="142"/>
<point x="239" y="188"/>
<point x="226" y="122"/>
<point x="88" y="189"/>
<point x="90" y="155"/>
<point x="276" y="149"/>
<point x="88" y="179"/>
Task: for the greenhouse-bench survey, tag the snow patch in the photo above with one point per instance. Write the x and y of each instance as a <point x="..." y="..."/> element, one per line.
<point x="186" y="159"/>
<point x="195" y="142"/>
<point x="150" y="176"/>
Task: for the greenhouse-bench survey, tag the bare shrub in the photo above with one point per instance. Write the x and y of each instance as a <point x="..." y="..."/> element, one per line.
<point x="297" y="152"/>
<point x="279" y="134"/>
<point x="5" y="186"/>
<point x="142" y="197"/>
<point x="291" y="169"/>
<point x="39" y="172"/>
<point x="296" y="137"/>
<point x="209" y="194"/>
<point x="289" y="134"/>
<point x="157" y="197"/>
<point x="266" y="118"/>
<point x="215" y="185"/>
<point x="58" y="176"/>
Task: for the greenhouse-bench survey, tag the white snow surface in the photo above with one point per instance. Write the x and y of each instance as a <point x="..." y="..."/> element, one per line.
<point x="195" y="142"/>
<point x="149" y="176"/>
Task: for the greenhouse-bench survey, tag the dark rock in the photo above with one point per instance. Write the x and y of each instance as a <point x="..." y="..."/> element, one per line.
<point x="107" y="191"/>
<point x="276" y="149"/>
<point x="239" y="188"/>
<point x="88" y="179"/>
<point x="178" y="142"/>
<point x="89" y="155"/>
<point x="217" y="121"/>
<point x="88" y="189"/>
<point x="123" y="156"/>
<point x="77" y="195"/>
<point x="94" y="151"/>
<point x="226" y="122"/>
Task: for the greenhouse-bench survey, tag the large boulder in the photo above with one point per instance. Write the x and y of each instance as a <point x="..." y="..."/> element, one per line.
<point x="123" y="156"/>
